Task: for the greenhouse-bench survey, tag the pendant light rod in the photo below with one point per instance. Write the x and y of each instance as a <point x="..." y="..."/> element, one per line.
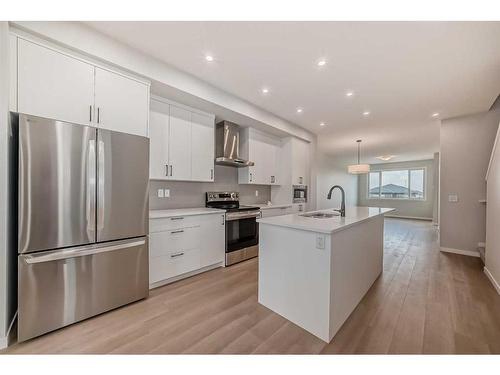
<point x="359" y="144"/>
<point x="358" y="168"/>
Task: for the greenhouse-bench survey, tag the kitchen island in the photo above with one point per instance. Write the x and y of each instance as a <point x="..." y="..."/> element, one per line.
<point x="314" y="268"/>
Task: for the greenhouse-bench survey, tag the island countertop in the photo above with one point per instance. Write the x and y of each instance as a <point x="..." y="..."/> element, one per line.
<point x="354" y="215"/>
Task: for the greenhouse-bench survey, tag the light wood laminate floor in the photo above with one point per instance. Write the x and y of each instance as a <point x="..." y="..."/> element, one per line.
<point x="424" y="302"/>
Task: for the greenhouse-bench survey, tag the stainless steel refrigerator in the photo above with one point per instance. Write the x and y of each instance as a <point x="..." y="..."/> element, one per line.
<point x="82" y="222"/>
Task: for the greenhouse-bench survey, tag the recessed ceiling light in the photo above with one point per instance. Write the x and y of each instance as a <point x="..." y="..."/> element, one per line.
<point x="386" y="157"/>
<point x="299" y="110"/>
<point x="209" y="58"/>
<point x="366" y="113"/>
<point x="349" y="94"/>
<point x="436" y="114"/>
<point x="265" y="90"/>
<point x="322" y="124"/>
<point x="322" y="62"/>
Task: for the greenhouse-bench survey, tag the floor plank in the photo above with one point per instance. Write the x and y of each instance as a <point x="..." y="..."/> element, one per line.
<point x="425" y="301"/>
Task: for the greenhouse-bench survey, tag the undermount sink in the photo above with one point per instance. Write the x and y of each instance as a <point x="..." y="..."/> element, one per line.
<point x="321" y="215"/>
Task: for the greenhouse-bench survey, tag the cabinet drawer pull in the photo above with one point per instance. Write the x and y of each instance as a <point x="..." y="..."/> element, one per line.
<point x="176" y="255"/>
<point x="177" y="218"/>
<point x="177" y="231"/>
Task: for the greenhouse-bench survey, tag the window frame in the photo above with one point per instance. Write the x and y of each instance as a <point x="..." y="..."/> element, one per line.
<point x="408" y="170"/>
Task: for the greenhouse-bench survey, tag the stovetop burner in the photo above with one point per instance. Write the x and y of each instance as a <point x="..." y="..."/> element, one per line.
<point x="226" y="200"/>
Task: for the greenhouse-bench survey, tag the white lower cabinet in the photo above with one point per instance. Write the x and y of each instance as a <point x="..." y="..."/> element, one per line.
<point x="181" y="245"/>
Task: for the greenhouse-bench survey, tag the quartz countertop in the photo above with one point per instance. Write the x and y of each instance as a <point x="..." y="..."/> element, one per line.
<point x="354" y="215"/>
<point x="157" y="214"/>
<point x="265" y="206"/>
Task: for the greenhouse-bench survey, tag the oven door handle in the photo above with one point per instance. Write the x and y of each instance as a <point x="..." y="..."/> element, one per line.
<point x="231" y="217"/>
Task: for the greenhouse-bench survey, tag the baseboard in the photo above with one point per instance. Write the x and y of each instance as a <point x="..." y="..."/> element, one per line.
<point x="488" y="274"/>
<point x="409" y="217"/>
<point x="460" y="252"/>
<point x="5" y="341"/>
<point x="185" y="275"/>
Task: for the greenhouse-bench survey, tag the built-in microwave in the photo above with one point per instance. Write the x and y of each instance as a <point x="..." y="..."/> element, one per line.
<point x="299" y="194"/>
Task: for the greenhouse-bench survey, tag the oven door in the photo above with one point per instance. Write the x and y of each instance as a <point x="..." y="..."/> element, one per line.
<point x="242" y="230"/>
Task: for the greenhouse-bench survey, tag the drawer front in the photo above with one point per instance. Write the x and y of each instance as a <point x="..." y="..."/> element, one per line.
<point x="70" y="287"/>
<point x="171" y="223"/>
<point x="174" y="240"/>
<point x="173" y="264"/>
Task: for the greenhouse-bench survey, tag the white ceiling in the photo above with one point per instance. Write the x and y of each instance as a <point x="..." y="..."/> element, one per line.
<point x="402" y="72"/>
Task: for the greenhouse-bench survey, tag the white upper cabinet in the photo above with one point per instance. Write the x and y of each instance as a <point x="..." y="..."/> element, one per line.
<point x="55" y="84"/>
<point x="263" y="149"/>
<point x="121" y="103"/>
<point x="300" y="162"/>
<point x="181" y="143"/>
<point x="158" y="154"/>
<point x="51" y="84"/>
<point x="202" y="147"/>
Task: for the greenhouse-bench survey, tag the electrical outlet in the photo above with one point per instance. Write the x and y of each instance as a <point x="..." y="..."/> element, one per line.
<point x="256" y="193"/>
<point x="160" y="193"/>
<point x="320" y="242"/>
<point x="453" y="198"/>
<point x="166" y="193"/>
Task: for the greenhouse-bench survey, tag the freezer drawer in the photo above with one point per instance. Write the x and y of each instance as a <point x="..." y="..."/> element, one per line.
<point x="58" y="288"/>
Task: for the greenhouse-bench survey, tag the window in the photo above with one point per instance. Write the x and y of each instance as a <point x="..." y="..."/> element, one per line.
<point x="397" y="184"/>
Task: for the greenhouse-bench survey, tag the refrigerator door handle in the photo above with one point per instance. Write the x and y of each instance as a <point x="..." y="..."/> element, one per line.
<point x="83" y="251"/>
<point x="100" y="185"/>
<point x="91" y="188"/>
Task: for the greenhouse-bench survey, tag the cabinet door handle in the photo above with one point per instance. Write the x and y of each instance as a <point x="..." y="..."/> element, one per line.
<point x="223" y="221"/>
<point x="176" y="255"/>
<point x="171" y="168"/>
<point x="250" y="177"/>
<point x="98" y="114"/>
<point x="177" y="231"/>
<point x="211" y="174"/>
<point x="90" y="112"/>
<point x="166" y="170"/>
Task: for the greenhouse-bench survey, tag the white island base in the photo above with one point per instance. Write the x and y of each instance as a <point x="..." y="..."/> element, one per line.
<point x="316" y="276"/>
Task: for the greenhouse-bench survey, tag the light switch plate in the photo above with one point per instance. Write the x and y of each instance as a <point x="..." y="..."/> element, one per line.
<point x="320" y="242"/>
<point x="453" y="198"/>
<point x="166" y="193"/>
<point x="256" y="193"/>
<point x="160" y="193"/>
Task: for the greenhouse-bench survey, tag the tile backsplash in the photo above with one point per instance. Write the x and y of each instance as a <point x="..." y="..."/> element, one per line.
<point x="192" y="194"/>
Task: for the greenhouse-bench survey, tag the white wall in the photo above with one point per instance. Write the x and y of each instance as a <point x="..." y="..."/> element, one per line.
<point x="331" y="171"/>
<point x="492" y="253"/>
<point x="405" y="208"/>
<point x="466" y="144"/>
<point x="8" y="255"/>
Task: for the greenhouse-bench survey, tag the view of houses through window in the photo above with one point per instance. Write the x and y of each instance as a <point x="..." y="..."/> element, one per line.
<point x="397" y="184"/>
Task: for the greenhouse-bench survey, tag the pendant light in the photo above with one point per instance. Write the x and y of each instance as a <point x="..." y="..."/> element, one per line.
<point x="358" y="168"/>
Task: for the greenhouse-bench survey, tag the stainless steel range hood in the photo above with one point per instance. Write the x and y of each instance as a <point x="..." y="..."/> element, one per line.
<point x="227" y="145"/>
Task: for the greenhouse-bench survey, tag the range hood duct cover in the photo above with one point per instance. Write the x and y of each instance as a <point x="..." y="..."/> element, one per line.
<point x="227" y="145"/>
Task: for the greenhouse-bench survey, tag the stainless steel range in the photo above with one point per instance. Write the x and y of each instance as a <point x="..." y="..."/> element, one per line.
<point x="242" y="229"/>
